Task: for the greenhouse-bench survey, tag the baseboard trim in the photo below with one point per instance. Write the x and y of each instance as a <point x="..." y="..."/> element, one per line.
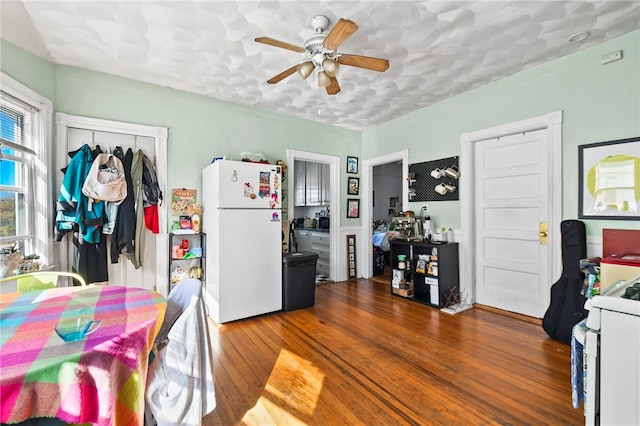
<point x="515" y="315"/>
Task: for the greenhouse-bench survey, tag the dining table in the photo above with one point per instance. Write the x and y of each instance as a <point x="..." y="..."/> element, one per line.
<point x="99" y="379"/>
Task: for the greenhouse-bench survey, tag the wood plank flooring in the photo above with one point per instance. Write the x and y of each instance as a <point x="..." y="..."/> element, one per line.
<point x="360" y="356"/>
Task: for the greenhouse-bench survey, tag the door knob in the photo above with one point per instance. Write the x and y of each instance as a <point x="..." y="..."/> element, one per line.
<point x="543" y="233"/>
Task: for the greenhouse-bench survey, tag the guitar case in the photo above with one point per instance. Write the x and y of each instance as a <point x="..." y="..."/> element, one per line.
<point x="566" y="308"/>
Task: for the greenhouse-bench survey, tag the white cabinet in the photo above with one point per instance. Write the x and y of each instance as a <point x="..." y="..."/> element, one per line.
<point x="300" y="183"/>
<point x="302" y="239"/>
<point x="312" y="184"/>
<point x="320" y="243"/>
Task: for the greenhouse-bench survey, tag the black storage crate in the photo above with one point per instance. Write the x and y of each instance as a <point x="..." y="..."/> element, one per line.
<point x="379" y="260"/>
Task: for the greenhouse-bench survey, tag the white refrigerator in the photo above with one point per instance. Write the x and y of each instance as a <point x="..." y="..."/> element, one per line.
<point x="241" y="204"/>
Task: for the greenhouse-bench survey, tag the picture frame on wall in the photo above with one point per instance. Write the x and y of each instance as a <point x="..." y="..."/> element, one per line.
<point x="608" y="180"/>
<point x="352" y="165"/>
<point x="392" y="202"/>
<point x="351" y="257"/>
<point x="353" y="186"/>
<point x="353" y="208"/>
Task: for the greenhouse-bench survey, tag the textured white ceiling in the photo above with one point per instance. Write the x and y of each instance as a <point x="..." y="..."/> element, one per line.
<point x="436" y="49"/>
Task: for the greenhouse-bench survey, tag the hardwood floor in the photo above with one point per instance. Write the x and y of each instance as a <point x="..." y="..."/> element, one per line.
<point x="360" y="356"/>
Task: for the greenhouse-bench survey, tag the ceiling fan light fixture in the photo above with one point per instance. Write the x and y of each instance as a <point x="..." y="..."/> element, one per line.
<point x="331" y="67"/>
<point x="305" y="69"/>
<point x="320" y="54"/>
<point x="323" y="79"/>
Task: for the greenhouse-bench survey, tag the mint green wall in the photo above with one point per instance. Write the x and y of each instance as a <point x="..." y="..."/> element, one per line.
<point x="200" y="128"/>
<point x="599" y="103"/>
<point x="34" y="72"/>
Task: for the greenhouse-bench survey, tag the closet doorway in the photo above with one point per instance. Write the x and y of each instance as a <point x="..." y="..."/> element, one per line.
<point x="72" y="132"/>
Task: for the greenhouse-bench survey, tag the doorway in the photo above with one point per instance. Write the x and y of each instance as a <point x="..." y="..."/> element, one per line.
<point x="365" y="257"/>
<point x="334" y="200"/>
<point x="510" y="188"/>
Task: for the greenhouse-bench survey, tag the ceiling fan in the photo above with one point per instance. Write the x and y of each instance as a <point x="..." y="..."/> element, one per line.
<point x="320" y="53"/>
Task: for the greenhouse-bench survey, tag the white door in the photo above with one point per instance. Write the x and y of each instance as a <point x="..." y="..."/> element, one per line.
<point x="511" y="190"/>
<point x="123" y="272"/>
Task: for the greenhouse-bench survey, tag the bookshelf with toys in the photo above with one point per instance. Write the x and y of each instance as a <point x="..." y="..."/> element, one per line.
<point x="187" y="244"/>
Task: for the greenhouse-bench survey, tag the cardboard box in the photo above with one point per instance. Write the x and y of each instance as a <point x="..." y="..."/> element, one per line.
<point x="404" y="292"/>
<point x="397" y="278"/>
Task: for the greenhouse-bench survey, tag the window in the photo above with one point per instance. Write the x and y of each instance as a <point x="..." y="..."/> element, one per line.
<point x="25" y="206"/>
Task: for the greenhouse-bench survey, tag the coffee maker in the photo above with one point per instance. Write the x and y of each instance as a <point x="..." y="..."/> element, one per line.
<point x="404" y="226"/>
<point x="427" y="224"/>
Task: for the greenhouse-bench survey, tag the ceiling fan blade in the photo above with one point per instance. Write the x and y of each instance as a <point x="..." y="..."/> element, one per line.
<point x="278" y="43"/>
<point x="334" y="87"/>
<point x="341" y="31"/>
<point x="367" y="62"/>
<point x="284" y="74"/>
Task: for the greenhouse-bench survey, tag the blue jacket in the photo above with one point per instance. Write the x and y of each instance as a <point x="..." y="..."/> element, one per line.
<point x="72" y="211"/>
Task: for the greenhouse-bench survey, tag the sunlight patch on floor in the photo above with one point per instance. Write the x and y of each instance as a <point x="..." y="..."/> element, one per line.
<point x="291" y="393"/>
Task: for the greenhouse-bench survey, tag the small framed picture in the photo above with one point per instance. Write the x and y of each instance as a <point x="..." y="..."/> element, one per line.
<point x="351" y="257"/>
<point x="353" y="208"/>
<point x="353" y="186"/>
<point x="352" y="165"/>
<point x="392" y="202"/>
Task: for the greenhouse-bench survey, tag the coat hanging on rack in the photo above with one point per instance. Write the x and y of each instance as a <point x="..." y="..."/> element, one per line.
<point x="72" y="211"/>
<point x="151" y="195"/>
<point x="90" y="248"/>
<point x="127" y="235"/>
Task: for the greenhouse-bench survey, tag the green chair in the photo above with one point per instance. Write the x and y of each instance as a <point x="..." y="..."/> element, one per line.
<point x="42" y="280"/>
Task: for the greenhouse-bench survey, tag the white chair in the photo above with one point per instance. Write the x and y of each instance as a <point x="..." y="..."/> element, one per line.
<point x="180" y="387"/>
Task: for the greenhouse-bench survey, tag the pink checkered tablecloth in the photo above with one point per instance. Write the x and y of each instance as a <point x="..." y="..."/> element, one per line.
<point x="99" y="379"/>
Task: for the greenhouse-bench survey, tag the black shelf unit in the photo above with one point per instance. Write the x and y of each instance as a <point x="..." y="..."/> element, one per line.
<point x="440" y="281"/>
<point x="198" y="240"/>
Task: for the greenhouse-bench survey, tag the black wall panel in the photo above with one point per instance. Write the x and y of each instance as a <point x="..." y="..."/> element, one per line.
<point x="425" y="184"/>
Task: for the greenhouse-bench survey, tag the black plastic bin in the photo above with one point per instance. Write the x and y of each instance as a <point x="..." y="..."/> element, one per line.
<point x="298" y="280"/>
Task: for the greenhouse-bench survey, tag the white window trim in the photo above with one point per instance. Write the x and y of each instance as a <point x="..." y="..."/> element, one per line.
<point x="42" y="145"/>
